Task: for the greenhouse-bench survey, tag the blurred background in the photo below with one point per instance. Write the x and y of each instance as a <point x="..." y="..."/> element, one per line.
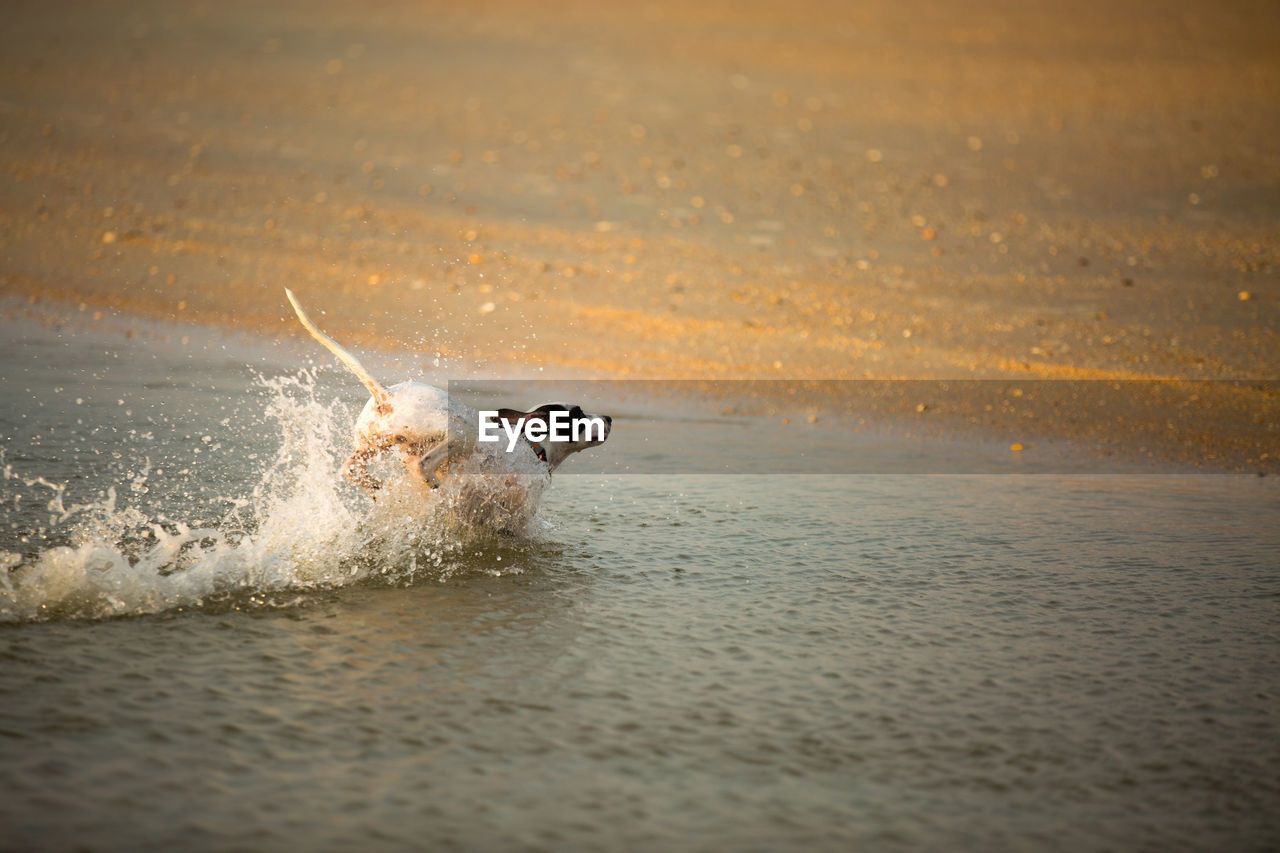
<point x="706" y="190"/>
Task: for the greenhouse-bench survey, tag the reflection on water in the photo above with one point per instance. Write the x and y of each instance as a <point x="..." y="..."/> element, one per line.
<point x="695" y="662"/>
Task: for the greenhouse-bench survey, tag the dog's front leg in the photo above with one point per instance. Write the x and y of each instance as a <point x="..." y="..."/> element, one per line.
<point x="356" y="469"/>
<point x="423" y="467"/>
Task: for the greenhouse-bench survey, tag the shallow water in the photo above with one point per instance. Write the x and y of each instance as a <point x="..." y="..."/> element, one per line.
<point x="674" y="661"/>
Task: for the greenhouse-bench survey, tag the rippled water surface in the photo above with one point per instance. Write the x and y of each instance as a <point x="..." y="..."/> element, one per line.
<point x="208" y="641"/>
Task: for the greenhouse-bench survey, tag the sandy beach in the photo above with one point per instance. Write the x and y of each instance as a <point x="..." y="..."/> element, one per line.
<point x="920" y="190"/>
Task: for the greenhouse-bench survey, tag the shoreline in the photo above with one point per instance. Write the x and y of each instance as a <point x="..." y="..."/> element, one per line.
<point x="1024" y="415"/>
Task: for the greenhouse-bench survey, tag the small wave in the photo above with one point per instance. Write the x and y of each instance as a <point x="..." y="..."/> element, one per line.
<point x="300" y="527"/>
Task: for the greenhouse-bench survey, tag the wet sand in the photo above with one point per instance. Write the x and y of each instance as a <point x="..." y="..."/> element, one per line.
<point x="711" y="191"/>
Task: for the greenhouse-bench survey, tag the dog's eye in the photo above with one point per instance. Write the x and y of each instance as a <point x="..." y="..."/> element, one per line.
<point x="400" y="439"/>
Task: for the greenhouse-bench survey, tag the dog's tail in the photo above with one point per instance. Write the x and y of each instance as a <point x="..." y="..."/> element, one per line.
<point x="381" y="399"/>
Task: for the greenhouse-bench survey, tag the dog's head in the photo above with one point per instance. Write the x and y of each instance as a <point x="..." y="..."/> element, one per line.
<point x="567" y="427"/>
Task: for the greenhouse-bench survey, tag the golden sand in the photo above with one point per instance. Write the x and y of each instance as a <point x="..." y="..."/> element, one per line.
<point x="747" y="190"/>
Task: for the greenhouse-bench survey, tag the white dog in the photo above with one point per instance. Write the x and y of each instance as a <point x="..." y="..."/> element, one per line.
<point x="429" y="430"/>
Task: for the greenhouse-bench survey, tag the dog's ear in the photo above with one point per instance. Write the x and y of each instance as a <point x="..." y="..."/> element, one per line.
<point x="517" y="417"/>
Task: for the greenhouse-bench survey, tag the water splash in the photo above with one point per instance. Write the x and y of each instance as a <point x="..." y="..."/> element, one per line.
<point x="300" y="527"/>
